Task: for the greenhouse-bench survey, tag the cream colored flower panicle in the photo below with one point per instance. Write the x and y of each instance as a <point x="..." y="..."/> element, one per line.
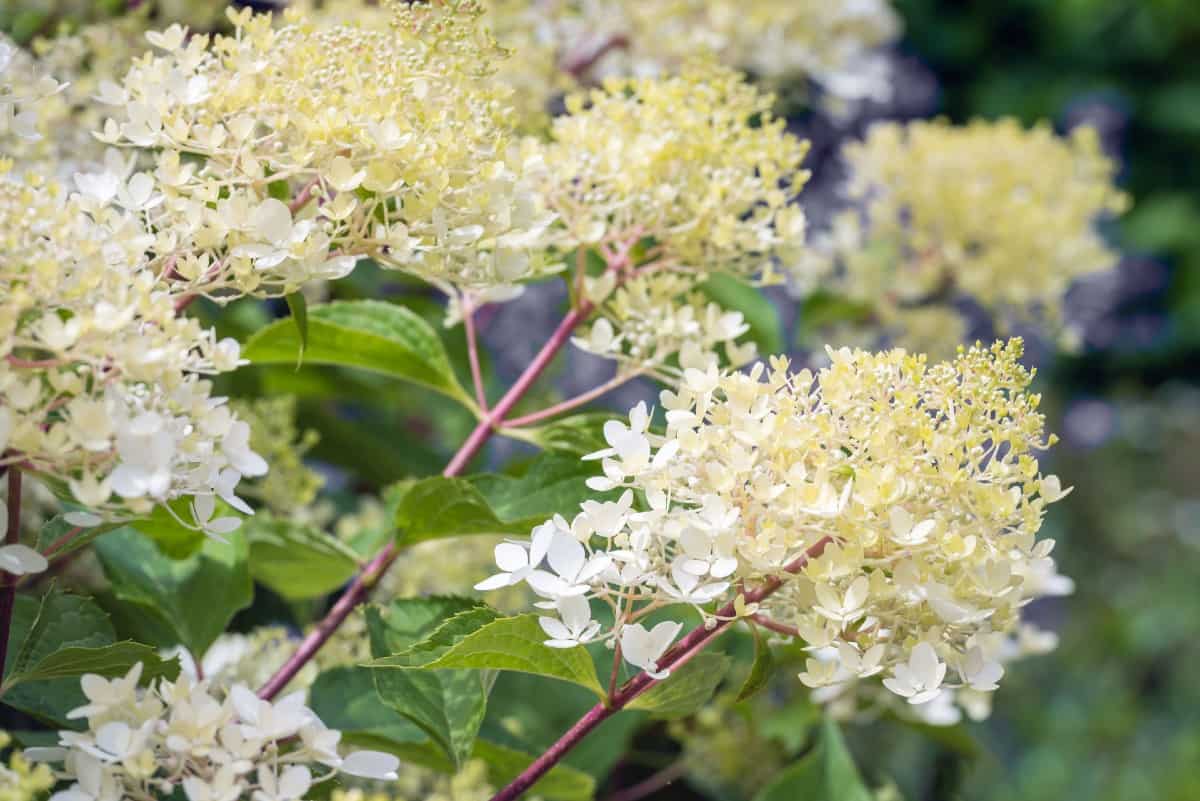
<point x="183" y="736"/>
<point x="834" y="43"/>
<point x="917" y="484"/>
<point x="991" y="212"/>
<point x="670" y="180"/>
<point x="19" y="779"/>
<point x="696" y="164"/>
<point x="652" y="318"/>
<point x="283" y="155"/>
<point x="102" y="387"/>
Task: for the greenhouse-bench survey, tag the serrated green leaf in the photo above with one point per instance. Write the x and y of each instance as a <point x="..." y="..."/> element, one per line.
<point x="345" y="699"/>
<point x="194" y="598"/>
<point x="298" y="306"/>
<point x="40" y="627"/>
<point x="757" y="310"/>
<point x="686" y="689"/>
<point x="439" y="507"/>
<point x="448" y="705"/>
<point x="297" y="561"/>
<point x="760" y="670"/>
<point x="508" y="643"/>
<point x="106" y="660"/>
<point x="368" y="334"/>
<point x="826" y="772"/>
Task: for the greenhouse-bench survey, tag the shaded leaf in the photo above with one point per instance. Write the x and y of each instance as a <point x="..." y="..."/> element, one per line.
<point x="686" y="689"/>
<point x="760" y="671"/>
<point x="827" y="772"/>
<point x="194" y="598"/>
<point x="438" y="507"/>
<point x="298" y="306"/>
<point x="297" y="561"/>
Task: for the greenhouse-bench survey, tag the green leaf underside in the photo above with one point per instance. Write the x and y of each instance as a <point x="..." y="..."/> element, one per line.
<point x="578" y="435"/>
<point x="827" y="772"/>
<point x="508" y="643"/>
<point x="686" y="689"/>
<point x="494" y="504"/>
<point x="190" y="601"/>
<point x="367" y="334"/>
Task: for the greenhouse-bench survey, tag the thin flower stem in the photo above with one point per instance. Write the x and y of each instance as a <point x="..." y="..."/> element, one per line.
<point x="652" y="784"/>
<point x="12" y="536"/>
<point x="693" y="643"/>
<point x="473" y="352"/>
<point x="364" y="582"/>
<point x="775" y="625"/>
<point x="572" y="403"/>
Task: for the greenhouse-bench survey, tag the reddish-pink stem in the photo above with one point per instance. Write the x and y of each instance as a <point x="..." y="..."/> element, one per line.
<point x="12" y="536"/>
<point x="360" y="588"/>
<point x="653" y="784"/>
<point x="304" y="195"/>
<point x="693" y="643"/>
<point x="32" y="364"/>
<point x="570" y="403"/>
<point x="468" y="310"/>
<point x="775" y="625"/>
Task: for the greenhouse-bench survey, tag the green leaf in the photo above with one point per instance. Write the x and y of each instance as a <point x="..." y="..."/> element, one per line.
<point x="296" y="561"/>
<point x="448" y="705"/>
<point x="345" y="699"/>
<point x="369" y="334"/>
<point x="108" y="661"/>
<point x="172" y="537"/>
<point x="54" y="640"/>
<point x="686" y="689"/>
<point x="298" y="306"/>
<point x="827" y="772"/>
<point x="440" y="507"/>
<point x="193" y="599"/>
<point x="760" y="671"/>
<point x="760" y="314"/>
<point x="508" y="643"/>
<point x="57" y="530"/>
<point x="578" y="434"/>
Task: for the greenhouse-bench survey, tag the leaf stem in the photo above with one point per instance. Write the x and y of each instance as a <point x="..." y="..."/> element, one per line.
<point x="679" y="654"/>
<point x="360" y="588"/>
<point x="8" y="592"/>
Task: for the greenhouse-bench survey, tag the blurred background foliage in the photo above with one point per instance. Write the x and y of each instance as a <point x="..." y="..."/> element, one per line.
<point x="1114" y="713"/>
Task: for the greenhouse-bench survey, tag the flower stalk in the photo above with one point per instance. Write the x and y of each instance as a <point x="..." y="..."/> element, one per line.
<point x="360" y="588"/>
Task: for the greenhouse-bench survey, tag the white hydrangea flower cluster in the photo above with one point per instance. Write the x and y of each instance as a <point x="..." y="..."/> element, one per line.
<point x="836" y="45"/>
<point x="147" y="743"/>
<point x="101" y="383"/>
<point x="909" y="493"/>
<point x="668" y="180"/>
<point x="646" y="321"/>
<point x="284" y="155"/>
<point x="849" y="697"/>
<point x="22" y="90"/>
<point x="694" y="164"/>
<point x="991" y="213"/>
